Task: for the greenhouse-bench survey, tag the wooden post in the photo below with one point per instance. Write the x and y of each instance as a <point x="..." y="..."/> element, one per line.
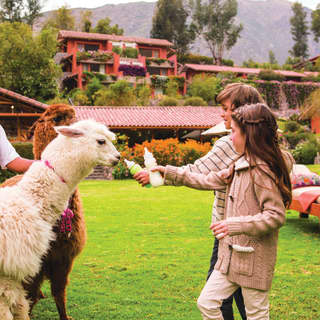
<point x="19" y="128"/>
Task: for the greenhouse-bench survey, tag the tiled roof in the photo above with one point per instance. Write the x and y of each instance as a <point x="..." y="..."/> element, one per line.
<point x="214" y="68"/>
<point x="152" y="117"/>
<point x="66" y="34"/>
<point x="23" y="99"/>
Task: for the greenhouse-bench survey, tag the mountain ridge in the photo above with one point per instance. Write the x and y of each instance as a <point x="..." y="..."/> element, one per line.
<point x="266" y="27"/>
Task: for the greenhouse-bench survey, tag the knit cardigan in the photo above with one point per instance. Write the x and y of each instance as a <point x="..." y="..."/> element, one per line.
<point x="254" y="212"/>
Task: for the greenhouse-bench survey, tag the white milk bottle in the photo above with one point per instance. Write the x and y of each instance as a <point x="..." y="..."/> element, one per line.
<point x="156" y="179"/>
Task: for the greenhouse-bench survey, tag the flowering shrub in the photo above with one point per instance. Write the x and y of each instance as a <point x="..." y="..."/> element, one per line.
<point x="296" y="93"/>
<point x="169" y="151"/>
<point x="158" y="61"/>
<point x="271" y="92"/>
<point x="180" y="80"/>
<point x="95" y="55"/>
<point x="159" y="81"/>
<point x="131" y="70"/>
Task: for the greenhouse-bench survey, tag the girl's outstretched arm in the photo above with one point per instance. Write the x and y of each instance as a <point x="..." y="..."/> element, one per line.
<point x="183" y="177"/>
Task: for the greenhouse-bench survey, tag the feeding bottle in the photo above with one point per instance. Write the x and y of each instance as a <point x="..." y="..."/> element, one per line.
<point x="135" y="168"/>
<point x="156" y="179"/>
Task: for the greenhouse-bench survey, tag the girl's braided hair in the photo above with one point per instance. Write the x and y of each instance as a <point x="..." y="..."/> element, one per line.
<point x="260" y="127"/>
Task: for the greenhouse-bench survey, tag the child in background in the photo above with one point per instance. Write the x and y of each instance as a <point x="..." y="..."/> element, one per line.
<point x="258" y="191"/>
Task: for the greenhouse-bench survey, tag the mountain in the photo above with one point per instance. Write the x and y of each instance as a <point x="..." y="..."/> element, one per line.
<point x="266" y="27"/>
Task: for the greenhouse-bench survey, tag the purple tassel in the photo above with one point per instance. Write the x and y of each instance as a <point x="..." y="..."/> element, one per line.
<point x="66" y="221"/>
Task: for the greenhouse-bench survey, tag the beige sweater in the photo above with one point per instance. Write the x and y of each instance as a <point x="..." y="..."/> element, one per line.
<point x="254" y="213"/>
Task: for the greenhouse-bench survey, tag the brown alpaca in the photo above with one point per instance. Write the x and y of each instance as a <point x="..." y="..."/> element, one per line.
<point x="57" y="264"/>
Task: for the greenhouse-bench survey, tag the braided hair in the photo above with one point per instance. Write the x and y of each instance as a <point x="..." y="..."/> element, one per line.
<point x="260" y="127"/>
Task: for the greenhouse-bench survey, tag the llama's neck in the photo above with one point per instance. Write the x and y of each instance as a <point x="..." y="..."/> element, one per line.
<point x="45" y="188"/>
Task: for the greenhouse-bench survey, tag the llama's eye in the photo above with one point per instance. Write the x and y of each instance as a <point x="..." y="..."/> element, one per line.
<point x="57" y="119"/>
<point x="101" y="142"/>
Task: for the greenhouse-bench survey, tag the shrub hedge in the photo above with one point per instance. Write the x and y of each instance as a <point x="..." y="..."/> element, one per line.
<point x="195" y="101"/>
<point x="168" y="101"/>
<point x="168" y="151"/>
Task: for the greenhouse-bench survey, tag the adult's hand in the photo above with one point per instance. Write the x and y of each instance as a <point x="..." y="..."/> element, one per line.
<point x="220" y="229"/>
<point x="142" y="177"/>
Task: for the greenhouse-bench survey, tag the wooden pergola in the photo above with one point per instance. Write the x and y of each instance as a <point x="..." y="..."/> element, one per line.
<point x="18" y="113"/>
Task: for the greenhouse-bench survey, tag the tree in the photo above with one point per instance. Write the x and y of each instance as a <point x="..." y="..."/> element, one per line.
<point x="170" y="22"/>
<point x="61" y="19"/>
<point x="26" y="62"/>
<point x="86" y="23"/>
<point x="215" y="22"/>
<point x="11" y="10"/>
<point x="206" y="87"/>
<point x="299" y="31"/>
<point x="315" y="23"/>
<point x="20" y="11"/>
<point x="272" y="58"/>
<point x="119" y="93"/>
<point x="103" y="26"/>
<point x="33" y="8"/>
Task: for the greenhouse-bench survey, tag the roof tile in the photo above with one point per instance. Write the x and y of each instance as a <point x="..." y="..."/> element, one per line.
<point x="214" y="68"/>
<point x="64" y="34"/>
<point x="152" y="117"/>
<point x="23" y="99"/>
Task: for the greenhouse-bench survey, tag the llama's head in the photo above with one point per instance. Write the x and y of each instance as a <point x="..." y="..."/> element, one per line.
<point x="86" y="140"/>
<point x="43" y="130"/>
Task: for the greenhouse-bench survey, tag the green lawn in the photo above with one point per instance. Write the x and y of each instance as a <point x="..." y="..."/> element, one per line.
<point x="148" y="252"/>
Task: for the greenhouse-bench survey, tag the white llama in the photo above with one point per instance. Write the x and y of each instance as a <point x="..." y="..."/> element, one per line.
<point x="29" y="209"/>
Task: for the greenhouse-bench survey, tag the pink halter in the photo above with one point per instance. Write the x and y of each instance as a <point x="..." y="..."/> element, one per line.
<point x="47" y="163"/>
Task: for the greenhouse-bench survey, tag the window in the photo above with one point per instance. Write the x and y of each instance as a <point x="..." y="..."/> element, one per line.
<point x="102" y="68"/>
<point x="164" y="72"/>
<point x="94" y="67"/>
<point x="153" y="70"/>
<point x="146" y="52"/>
<point x="116" y="44"/>
<point x="156" y="54"/>
<point x="80" y="46"/>
<point x="91" y="47"/>
<point x="85" y="67"/>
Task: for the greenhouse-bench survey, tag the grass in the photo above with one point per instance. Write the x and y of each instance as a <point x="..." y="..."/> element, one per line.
<point x="148" y="252"/>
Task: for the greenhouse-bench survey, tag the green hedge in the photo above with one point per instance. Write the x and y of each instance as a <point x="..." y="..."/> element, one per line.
<point x="24" y="149"/>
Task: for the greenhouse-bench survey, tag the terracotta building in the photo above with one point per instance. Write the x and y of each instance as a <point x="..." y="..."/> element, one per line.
<point x="113" y="56"/>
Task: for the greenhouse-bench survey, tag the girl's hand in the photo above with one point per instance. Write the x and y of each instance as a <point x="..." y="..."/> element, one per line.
<point x="142" y="177"/>
<point x="160" y="169"/>
<point x="219" y="229"/>
<point x="226" y="173"/>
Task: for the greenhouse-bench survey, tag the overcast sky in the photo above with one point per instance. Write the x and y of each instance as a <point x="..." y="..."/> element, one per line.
<point x="55" y="4"/>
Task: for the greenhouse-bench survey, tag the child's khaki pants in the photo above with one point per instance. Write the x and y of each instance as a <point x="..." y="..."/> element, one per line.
<point x="218" y="288"/>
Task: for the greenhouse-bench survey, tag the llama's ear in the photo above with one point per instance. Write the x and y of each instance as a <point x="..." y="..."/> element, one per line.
<point x="69" y="132"/>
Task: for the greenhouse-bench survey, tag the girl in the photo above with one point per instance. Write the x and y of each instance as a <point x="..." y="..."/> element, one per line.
<point x="259" y="190"/>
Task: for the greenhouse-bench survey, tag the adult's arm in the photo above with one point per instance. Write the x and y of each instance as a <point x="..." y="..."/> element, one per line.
<point x="19" y="164"/>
